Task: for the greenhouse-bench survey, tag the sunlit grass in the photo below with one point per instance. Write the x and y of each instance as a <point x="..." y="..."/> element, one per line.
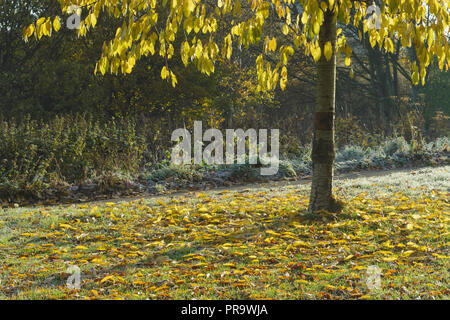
<point x="241" y="244"/>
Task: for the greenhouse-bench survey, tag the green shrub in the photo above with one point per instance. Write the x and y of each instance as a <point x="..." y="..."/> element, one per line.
<point x="351" y="152"/>
<point x="396" y="145"/>
<point x="71" y="149"/>
<point x="286" y="169"/>
<point x="439" y="145"/>
<point x="244" y="172"/>
<point x="164" y="171"/>
<point x="305" y="154"/>
<point x="301" y="166"/>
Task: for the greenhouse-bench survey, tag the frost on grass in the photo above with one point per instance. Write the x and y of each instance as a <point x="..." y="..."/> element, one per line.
<point x="241" y="244"/>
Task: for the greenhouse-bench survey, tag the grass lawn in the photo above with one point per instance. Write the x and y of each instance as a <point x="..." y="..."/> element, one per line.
<point x="256" y="243"/>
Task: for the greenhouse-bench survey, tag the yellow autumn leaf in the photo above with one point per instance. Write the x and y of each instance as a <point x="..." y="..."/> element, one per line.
<point x="67" y="226"/>
<point x="441" y="256"/>
<point x="28" y="31"/>
<point x="407" y="253"/>
<point x="331" y="4"/>
<point x="359" y="268"/>
<point x="316" y="27"/>
<point x="316" y="53"/>
<point x="328" y="50"/>
<point x="300" y="243"/>
<point x="273" y="233"/>
<point x="348" y="62"/>
<point x="107" y="278"/>
<point x="273" y="44"/>
<point x="164" y="73"/>
<point x="27" y="234"/>
<point x="301" y="281"/>
<point x="93" y="19"/>
<point x="390" y="259"/>
<point x="56" y="24"/>
<point x="47" y="27"/>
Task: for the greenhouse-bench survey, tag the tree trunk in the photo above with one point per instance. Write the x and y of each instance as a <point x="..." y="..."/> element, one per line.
<point x="323" y="151"/>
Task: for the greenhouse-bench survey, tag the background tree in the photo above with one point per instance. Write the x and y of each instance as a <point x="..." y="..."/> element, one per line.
<point x="153" y="27"/>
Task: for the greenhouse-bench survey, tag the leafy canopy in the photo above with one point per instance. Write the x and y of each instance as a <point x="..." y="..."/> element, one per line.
<point x="153" y="27"/>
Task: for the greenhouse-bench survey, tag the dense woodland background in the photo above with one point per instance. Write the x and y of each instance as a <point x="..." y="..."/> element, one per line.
<point x="59" y="122"/>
